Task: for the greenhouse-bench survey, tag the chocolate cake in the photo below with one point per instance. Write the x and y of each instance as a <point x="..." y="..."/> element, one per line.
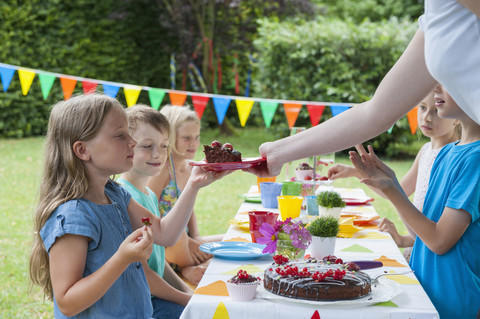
<point x="317" y="280"/>
<point x="216" y="153"/>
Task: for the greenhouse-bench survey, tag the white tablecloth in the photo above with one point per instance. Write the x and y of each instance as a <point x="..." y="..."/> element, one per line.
<point x="367" y="244"/>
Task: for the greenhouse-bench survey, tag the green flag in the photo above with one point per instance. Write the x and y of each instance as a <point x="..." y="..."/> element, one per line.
<point x="156" y="97"/>
<point x="268" y="111"/>
<point x="46" y="83"/>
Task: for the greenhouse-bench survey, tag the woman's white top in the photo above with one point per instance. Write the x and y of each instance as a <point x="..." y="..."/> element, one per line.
<point x="425" y="163"/>
<point x="452" y="51"/>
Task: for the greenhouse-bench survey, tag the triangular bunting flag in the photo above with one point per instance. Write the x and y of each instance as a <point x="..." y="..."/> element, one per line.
<point x="46" y="83"/>
<point x="316" y="315"/>
<point x="268" y="111"/>
<point x="315" y="112"/>
<point x="244" y="107"/>
<point x="390" y="129"/>
<point x="131" y="94"/>
<point x="412" y="119"/>
<point x="337" y="109"/>
<point x="68" y="85"/>
<point x="221" y="312"/>
<point x="26" y="79"/>
<point x="199" y="104"/>
<point x="89" y="87"/>
<point x="177" y="98"/>
<point x="221" y="107"/>
<point x="110" y="90"/>
<point x="291" y="112"/>
<point x="6" y="74"/>
<point x="156" y="97"/>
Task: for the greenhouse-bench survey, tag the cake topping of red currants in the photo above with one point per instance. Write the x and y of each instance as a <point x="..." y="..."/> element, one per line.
<point x="216" y="144"/>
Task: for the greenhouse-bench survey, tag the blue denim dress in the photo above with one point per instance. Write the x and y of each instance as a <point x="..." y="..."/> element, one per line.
<point x="106" y="226"/>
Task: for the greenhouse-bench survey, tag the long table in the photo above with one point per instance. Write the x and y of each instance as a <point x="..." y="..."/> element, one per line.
<point x="211" y="299"/>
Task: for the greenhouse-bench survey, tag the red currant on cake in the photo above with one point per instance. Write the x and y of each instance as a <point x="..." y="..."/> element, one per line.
<point x="216" y="144"/>
<point x="228" y="146"/>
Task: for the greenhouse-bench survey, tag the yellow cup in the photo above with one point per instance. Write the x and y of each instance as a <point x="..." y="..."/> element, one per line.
<point x="289" y="206"/>
<point x="265" y="180"/>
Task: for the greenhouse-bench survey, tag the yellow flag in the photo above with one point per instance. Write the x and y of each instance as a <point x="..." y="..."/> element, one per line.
<point x="131" y="94"/>
<point x="26" y="79"/>
<point x="221" y="312"/>
<point x="244" y="107"/>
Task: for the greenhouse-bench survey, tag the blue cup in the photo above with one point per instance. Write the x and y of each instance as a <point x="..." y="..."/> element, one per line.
<point x="269" y="192"/>
<point x="312" y="205"/>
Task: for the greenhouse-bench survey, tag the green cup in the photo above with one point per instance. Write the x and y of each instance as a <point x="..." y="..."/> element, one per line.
<point x="291" y="188"/>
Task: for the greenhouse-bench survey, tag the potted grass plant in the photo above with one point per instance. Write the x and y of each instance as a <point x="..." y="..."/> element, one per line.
<point x="324" y="230"/>
<point x="330" y="203"/>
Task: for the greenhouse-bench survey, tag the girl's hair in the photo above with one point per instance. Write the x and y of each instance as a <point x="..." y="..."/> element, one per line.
<point x="64" y="177"/>
<point x="145" y="114"/>
<point x="177" y="116"/>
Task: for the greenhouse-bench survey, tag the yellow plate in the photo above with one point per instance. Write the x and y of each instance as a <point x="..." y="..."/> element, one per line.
<point x="242" y="224"/>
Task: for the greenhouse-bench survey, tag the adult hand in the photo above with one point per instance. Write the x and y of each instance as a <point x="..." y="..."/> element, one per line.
<point x="272" y="167"/>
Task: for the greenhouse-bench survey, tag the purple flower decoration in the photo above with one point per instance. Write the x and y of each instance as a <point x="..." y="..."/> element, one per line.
<point x="269" y="239"/>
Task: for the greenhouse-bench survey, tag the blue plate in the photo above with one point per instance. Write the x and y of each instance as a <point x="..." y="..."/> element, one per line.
<point x="234" y="250"/>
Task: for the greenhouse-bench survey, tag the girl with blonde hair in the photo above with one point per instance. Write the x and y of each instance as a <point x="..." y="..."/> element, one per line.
<point x="89" y="240"/>
<point x="188" y="259"/>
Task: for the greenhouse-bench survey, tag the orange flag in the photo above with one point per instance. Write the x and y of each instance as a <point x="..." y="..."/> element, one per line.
<point x="291" y="112"/>
<point x="412" y="119"/>
<point x="177" y="98"/>
<point x="68" y="85"/>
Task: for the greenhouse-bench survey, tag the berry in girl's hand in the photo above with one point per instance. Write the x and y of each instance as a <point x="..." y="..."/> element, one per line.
<point x="146" y="221"/>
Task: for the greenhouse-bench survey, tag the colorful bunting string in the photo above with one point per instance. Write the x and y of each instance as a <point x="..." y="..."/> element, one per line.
<point x="200" y="100"/>
<point x="412" y="119"/>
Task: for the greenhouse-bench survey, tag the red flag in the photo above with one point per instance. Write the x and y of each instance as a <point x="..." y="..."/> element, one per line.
<point x="199" y="104"/>
<point x="89" y="87"/>
<point x="315" y="112"/>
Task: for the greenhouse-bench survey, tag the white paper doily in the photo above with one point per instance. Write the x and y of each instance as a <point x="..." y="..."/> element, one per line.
<point x="384" y="290"/>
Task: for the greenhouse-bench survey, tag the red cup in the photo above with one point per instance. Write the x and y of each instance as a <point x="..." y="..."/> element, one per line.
<point x="257" y="218"/>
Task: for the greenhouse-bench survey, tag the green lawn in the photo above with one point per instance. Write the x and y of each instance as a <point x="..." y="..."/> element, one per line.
<point x="20" y="168"/>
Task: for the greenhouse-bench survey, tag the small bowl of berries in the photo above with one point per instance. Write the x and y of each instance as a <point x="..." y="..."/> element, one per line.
<point x="243" y="286"/>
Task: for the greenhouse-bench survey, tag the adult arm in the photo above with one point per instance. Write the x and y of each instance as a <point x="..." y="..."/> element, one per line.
<point x="404" y="86"/>
<point x="472" y="5"/>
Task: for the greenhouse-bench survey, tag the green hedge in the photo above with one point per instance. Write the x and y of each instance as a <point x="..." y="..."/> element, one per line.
<point x="334" y="61"/>
<point x="110" y="40"/>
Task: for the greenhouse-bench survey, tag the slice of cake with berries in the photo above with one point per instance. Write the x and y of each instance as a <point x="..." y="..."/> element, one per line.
<point x="243" y="286"/>
<point x="218" y="153"/>
<point x="316" y="279"/>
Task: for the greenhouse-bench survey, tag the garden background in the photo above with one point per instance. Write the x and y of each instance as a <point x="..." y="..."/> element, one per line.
<point x="332" y="51"/>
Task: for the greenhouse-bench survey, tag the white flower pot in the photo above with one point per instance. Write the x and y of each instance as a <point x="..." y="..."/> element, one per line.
<point x="322" y="246"/>
<point x="334" y="212"/>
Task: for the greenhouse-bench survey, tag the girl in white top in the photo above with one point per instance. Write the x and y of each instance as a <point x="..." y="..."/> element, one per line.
<point x="441" y="132"/>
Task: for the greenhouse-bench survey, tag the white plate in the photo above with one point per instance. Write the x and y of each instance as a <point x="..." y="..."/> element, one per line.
<point x="383" y="291"/>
